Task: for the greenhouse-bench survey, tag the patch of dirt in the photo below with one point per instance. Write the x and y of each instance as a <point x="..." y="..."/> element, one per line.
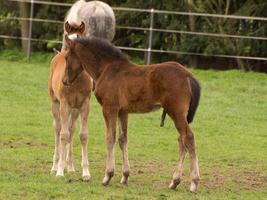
<point x="213" y="179"/>
<point x="161" y="183"/>
<point x="223" y="180"/>
<point x="20" y="143"/>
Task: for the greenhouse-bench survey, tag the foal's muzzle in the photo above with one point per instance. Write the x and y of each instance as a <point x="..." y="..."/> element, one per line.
<point x="66" y="82"/>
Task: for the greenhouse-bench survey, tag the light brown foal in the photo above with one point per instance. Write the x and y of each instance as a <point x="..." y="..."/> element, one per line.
<point x="123" y="87"/>
<point x="68" y="102"/>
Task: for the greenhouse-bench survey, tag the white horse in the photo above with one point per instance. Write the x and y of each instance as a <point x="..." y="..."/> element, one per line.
<point x="94" y="18"/>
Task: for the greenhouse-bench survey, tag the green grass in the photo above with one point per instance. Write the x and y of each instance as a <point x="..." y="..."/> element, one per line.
<point x="230" y="128"/>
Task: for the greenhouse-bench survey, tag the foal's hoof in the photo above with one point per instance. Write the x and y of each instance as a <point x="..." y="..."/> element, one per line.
<point x="107" y="178"/>
<point x="124" y="181"/>
<point x="86" y="178"/>
<point x="70" y="169"/>
<point x="60" y="173"/>
<point x="105" y="181"/>
<point x="193" y="187"/>
<point x="174" y="183"/>
<point x="53" y="169"/>
<point x="125" y="176"/>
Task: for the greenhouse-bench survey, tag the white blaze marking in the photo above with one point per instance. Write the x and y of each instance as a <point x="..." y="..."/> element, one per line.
<point x="73" y="36"/>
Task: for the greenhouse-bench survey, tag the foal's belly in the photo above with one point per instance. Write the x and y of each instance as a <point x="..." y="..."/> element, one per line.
<point x="142" y="107"/>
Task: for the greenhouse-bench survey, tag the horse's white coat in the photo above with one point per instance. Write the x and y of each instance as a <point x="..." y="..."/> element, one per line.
<point x="73" y="16"/>
<point x="98" y="17"/>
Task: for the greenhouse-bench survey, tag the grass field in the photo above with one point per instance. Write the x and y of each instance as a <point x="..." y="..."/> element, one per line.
<point x="230" y="128"/>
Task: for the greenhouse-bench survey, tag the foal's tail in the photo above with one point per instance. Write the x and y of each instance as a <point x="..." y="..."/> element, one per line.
<point x="195" y="96"/>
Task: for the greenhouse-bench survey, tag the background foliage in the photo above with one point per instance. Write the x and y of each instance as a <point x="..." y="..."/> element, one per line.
<point x="165" y="41"/>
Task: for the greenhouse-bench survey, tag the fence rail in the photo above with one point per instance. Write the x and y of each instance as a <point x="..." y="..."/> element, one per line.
<point x="151" y="29"/>
<point x="144" y="50"/>
<point x="147" y="29"/>
<point x="154" y="10"/>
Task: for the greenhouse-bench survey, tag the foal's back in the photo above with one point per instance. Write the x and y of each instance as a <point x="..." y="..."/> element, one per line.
<point x="74" y="94"/>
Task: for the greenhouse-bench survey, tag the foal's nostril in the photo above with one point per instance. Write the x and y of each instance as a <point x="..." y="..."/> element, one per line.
<point x="65" y="82"/>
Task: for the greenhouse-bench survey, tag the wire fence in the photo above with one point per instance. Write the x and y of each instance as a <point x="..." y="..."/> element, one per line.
<point x="150" y="30"/>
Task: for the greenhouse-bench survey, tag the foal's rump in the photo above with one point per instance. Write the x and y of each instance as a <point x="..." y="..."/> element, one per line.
<point x="176" y="80"/>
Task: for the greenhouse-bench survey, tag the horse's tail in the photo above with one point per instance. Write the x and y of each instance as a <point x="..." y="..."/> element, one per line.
<point x="104" y="21"/>
<point x="195" y="96"/>
<point x="100" y="22"/>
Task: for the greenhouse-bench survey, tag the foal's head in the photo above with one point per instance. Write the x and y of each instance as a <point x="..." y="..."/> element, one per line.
<point x="90" y="54"/>
<point x="73" y="65"/>
<point x="74" y="31"/>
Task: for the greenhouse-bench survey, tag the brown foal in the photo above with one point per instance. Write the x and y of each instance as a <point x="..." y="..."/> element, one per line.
<point x="67" y="103"/>
<point x="123" y="87"/>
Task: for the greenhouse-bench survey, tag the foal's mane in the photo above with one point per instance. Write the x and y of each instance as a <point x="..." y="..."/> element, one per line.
<point x="102" y="48"/>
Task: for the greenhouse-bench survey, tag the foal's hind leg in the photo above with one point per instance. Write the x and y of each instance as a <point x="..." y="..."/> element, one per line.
<point x="64" y="135"/>
<point x="69" y="156"/>
<point x="187" y="141"/>
<point x="177" y="176"/>
<point x="123" y="119"/>
<point x="194" y="168"/>
<point x="84" y="111"/>
<point x="57" y="127"/>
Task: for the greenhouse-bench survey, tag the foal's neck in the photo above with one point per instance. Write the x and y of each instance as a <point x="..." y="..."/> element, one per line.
<point x="94" y="65"/>
<point x="90" y="64"/>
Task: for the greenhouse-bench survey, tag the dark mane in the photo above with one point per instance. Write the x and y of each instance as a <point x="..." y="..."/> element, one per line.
<point x="102" y="47"/>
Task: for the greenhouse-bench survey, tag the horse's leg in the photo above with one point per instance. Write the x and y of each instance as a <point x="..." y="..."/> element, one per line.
<point x="64" y="135"/>
<point x="110" y="116"/>
<point x="69" y="154"/>
<point x="177" y="176"/>
<point x="123" y="120"/>
<point x="84" y="111"/>
<point x="194" y="168"/>
<point x="57" y="127"/>
<point x="186" y="142"/>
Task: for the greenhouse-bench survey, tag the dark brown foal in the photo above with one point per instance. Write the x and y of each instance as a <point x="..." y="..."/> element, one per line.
<point x="123" y="87"/>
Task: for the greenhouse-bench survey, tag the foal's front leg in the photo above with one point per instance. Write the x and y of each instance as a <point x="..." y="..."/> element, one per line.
<point x="69" y="155"/>
<point x="110" y="116"/>
<point x="84" y="111"/>
<point x="57" y="127"/>
<point x="123" y="120"/>
<point x="64" y="135"/>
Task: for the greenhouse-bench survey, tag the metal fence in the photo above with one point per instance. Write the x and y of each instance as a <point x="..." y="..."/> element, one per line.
<point x="150" y="29"/>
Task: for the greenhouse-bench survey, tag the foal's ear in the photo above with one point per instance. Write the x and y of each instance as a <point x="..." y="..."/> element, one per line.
<point x="82" y="27"/>
<point x="67" y="27"/>
<point x="69" y="42"/>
